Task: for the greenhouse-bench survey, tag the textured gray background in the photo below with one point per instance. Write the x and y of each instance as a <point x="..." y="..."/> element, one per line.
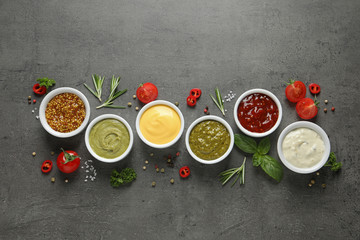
<point x="234" y="44"/>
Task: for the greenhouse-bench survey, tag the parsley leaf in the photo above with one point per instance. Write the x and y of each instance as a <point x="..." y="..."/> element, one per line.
<point x="46" y="82"/>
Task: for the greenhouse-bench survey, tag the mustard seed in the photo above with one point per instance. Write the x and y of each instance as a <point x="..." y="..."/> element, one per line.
<point x="172" y="181"/>
<point x="312" y="181"/>
<point x="52" y="179"/>
<point x="144" y="168"/>
<point x="129" y="104"/>
<point x="326" y="101"/>
<point x="134" y="96"/>
<point x="325" y="110"/>
<point x="34" y="154"/>
<point x="153" y="184"/>
<point x="162" y="170"/>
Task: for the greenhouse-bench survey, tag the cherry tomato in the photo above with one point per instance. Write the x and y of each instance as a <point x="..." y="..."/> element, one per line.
<point x="68" y="161"/>
<point x="46" y="166"/>
<point x="295" y="91"/>
<point x="314" y="88"/>
<point x="184" y="172"/>
<point x="40" y="90"/>
<point x="191" y="101"/>
<point x="196" y="92"/>
<point x="147" y="92"/>
<point x="307" y="108"/>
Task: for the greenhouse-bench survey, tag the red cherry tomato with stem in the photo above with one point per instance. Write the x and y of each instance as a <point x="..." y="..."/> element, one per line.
<point x="191" y="101"/>
<point x="314" y="88"/>
<point x="46" y="166"/>
<point x="307" y="108"/>
<point x="68" y="161"/>
<point x="184" y="172"/>
<point x="196" y="92"/>
<point x="147" y="92"/>
<point x="40" y="90"/>
<point x="295" y="91"/>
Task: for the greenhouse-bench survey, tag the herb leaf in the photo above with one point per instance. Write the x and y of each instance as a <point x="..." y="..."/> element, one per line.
<point x="272" y="167"/>
<point x="332" y="162"/>
<point x="218" y="100"/>
<point x="113" y="94"/>
<point x="127" y="175"/>
<point x="264" y="146"/>
<point x="98" y="82"/>
<point x="46" y="82"/>
<point x="257" y="159"/>
<point x="245" y="143"/>
<point x="226" y="175"/>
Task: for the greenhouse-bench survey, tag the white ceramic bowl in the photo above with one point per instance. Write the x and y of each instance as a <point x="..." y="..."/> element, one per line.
<point x="312" y="126"/>
<point x="206" y="118"/>
<point x="149" y="105"/>
<point x="45" y="102"/>
<point x="273" y="97"/>
<point x="98" y="119"/>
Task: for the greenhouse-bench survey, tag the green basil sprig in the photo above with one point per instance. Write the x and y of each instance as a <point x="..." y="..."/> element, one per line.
<point x="260" y="158"/>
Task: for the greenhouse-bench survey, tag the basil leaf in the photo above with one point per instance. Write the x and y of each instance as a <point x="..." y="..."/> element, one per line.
<point x="264" y="146"/>
<point x="257" y="159"/>
<point x="272" y="167"/>
<point x="245" y="143"/>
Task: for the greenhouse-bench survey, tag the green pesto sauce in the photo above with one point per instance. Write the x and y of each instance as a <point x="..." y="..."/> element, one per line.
<point x="109" y="138"/>
<point x="209" y="140"/>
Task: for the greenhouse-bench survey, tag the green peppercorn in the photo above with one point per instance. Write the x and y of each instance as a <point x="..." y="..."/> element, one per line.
<point x="151" y="154"/>
<point x="162" y="170"/>
<point x="157" y="170"/>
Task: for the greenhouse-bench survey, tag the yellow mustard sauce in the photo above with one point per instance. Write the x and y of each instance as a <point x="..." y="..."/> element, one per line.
<point x="160" y="124"/>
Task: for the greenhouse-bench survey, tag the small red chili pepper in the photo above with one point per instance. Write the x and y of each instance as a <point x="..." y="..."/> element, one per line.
<point x="40" y="90"/>
<point x="184" y="172"/>
<point x="314" y="88"/>
<point x="46" y="166"/>
<point x="333" y="109"/>
<point x="191" y="101"/>
<point x="34" y="101"/>
<point x="196" y="92"/>
<point x="178" y="154"/>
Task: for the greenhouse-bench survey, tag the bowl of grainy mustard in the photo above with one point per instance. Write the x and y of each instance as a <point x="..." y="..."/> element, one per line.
<point x="64" y="112"/>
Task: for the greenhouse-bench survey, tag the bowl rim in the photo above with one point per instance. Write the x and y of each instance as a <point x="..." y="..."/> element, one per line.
<point x="151" y="104"/>
<point x="273" y="97"/>
<point x="204" y="118"/>
<point x="50" y="96"/>
<point x="312" y="126"/>
<point x="103" y="117"/>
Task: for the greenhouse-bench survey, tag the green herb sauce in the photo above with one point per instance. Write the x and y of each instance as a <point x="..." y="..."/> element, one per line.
<point x="109" y="138"/>
<point x="209" y="140"/>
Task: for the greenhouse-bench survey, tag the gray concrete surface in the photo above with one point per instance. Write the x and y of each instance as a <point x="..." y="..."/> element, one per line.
<point x="233" y="44"/>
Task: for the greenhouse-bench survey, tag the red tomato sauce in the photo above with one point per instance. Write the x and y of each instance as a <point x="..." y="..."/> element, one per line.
<point x="258" y="113"/>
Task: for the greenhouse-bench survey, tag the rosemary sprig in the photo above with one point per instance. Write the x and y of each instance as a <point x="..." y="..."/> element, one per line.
<point x="226" y="175"/>
<point x="98" y="82"/>
<point x="219" y="102"/>
<point x="113" y="94"/>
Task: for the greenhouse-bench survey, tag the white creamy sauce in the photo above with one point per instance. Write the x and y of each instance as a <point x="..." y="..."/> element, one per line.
<point x="303" y="147"/>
